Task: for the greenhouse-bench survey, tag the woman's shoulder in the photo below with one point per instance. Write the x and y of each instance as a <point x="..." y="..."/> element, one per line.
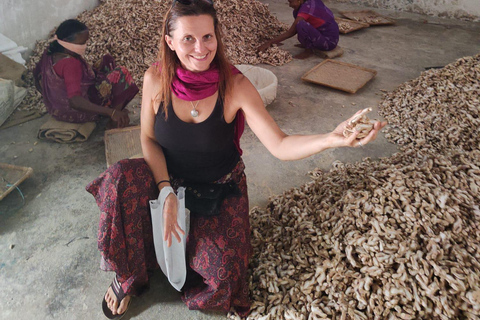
<point x="152" y="72"/>
<point x="151" y="83"/>
<point x="68" y="66"/>
<point x="243" y="92"/>
<point x="242" y="85"/>
<point x="151" y="78"/>
<point x="239" y="80"/>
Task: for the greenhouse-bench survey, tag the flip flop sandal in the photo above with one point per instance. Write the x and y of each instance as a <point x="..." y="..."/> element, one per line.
<point x="118" y="291"/>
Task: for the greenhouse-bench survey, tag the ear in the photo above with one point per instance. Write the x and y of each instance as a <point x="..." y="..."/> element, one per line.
<point x="169" y="41"/>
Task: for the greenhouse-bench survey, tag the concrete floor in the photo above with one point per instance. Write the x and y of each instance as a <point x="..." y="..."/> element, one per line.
<point x="48" y="256"/>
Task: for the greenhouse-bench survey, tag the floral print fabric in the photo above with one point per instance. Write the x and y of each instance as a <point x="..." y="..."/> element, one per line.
<point x="114" y="85"/>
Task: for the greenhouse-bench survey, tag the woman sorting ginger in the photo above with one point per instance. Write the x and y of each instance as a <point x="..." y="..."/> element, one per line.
<point x="315" y="26"/>
<point x="74" y="91"/>
<point x="194" y="106"/>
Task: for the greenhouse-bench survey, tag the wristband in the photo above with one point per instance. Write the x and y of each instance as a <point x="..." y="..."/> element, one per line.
<point x="163" y="181"/>
<point x="113" y="113"/>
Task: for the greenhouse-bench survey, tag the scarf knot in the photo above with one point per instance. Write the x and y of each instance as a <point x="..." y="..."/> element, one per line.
<point x="193" y="86"/>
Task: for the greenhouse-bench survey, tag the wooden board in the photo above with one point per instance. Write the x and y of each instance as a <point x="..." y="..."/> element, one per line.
<point x="368" y="16"/>
<point x="346" y="25"/>
<point x="339" y="75"/>
<point x="122" y="144"/>
<point x="11" y="176"/>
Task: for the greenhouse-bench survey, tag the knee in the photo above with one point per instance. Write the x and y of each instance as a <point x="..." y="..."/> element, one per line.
<point x="220" y="266"/>
<point x="301" y="26"/>
<point x="131" y="171"/>
<point x="233" y="265"/>
<point x="126" y="165"/>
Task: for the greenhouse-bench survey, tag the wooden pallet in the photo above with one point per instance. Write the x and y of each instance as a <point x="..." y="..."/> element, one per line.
<point x="346" y="25"/>
<point x="339" y="75"/>
<point x="368" y="16"/>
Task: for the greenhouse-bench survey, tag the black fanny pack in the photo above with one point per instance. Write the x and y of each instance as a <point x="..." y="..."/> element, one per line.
<point x="205" y="199"/>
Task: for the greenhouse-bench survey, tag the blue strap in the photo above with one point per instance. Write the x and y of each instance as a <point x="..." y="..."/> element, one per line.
<point x="21" y="194"/>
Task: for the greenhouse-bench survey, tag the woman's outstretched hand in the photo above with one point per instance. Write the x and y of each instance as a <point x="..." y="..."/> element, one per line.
<point x="170" y="222"/>
<point x="339" y="140"/>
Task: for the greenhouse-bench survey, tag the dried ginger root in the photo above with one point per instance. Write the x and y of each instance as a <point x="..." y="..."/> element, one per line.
<point x="360" y="123"/>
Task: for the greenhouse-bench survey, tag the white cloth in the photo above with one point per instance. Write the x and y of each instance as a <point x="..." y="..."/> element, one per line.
<point x="171" y="259"/>
<point x="10" y="49"/>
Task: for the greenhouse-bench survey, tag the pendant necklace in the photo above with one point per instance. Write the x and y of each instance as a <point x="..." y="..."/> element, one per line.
<point x="194" y="111"/>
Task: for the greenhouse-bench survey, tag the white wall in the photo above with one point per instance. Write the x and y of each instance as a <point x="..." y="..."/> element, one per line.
<point x="25" y="21"/>
<point x="458" y="9"/>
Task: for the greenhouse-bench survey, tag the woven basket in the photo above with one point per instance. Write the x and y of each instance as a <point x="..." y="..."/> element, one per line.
<point x="122" y="144"/>
<point x="265" y="81"/>
<point x="11" y="176"/>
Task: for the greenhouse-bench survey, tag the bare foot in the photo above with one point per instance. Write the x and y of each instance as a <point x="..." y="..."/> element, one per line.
<point x="305" y="54"/>
<point x="112" y="302"/>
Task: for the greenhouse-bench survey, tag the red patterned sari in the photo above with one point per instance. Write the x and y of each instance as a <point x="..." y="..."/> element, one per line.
<point x="104" y="84"/>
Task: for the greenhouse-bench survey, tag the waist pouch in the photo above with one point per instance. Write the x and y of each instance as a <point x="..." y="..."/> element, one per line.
<point x="205" y="199"/>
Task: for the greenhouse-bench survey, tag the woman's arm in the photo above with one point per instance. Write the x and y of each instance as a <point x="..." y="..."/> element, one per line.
<point x="284" y="36"/>
<point x="281" y="145"/>
<point x="153" y="153"/>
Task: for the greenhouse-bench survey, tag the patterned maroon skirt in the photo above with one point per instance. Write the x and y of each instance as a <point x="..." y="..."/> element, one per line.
<point x="218" y="248"/>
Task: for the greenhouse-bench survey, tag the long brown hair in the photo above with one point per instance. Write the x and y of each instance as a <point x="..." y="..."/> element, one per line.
<point x="168" y="60"/>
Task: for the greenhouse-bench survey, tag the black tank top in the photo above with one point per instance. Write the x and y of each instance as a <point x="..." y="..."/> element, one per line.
<point x="197" y="152"/>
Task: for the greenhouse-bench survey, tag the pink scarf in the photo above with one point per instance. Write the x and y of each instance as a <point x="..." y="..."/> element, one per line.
<point x="193" y="86"/>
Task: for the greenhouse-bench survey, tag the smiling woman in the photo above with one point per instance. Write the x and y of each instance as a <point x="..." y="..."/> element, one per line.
<point x="194" y="42"/>
<point x="194" y="106"/>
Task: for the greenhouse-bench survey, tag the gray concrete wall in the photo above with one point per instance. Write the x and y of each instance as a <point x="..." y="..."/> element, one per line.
<point x="25" y="21"/>
<point x="458" y="9"/>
